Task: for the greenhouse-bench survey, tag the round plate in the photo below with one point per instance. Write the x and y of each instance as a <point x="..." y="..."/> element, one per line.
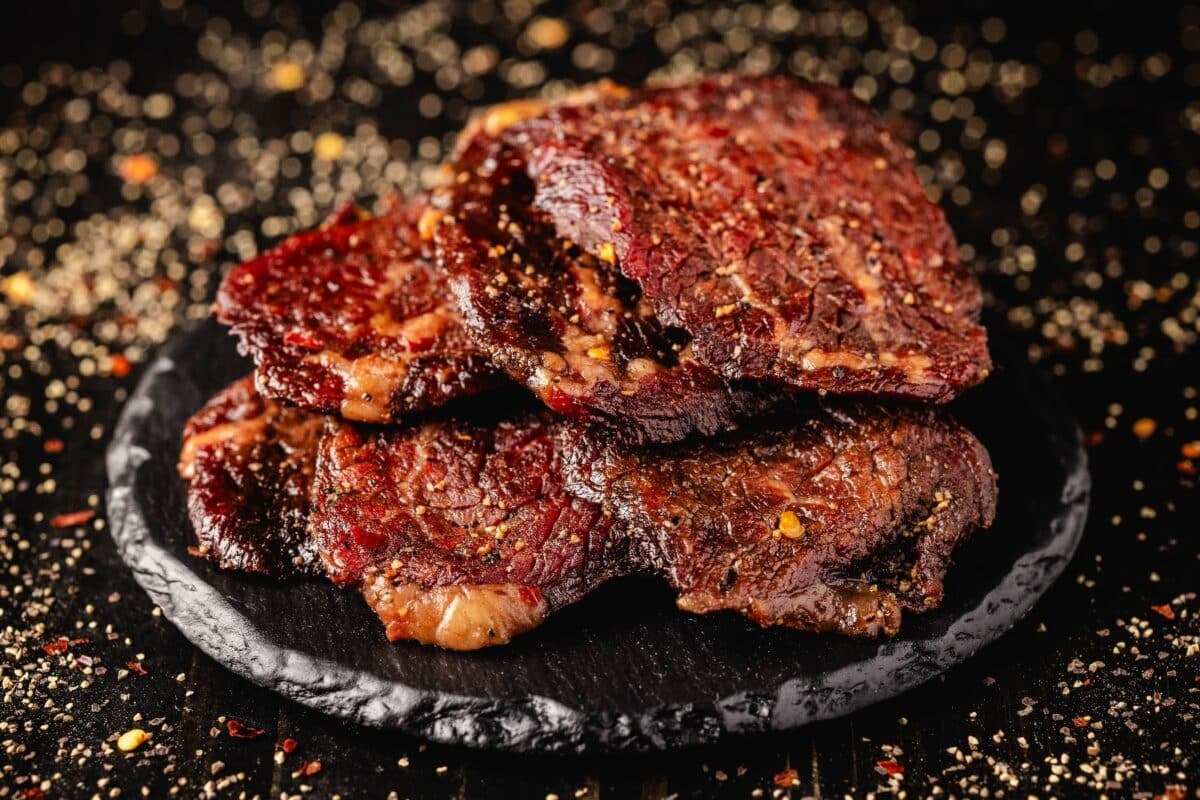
<point x="624" y="669"/>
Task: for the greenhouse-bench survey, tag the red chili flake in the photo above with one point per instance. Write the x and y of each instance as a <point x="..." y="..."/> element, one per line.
<point x="73" y="519"/>
<point x="9" y="341"/>
<point x="787" y="779"/>
<point x="302" y="339"/>
<point x="240" y="730"/>
<point x="57" y="647"/>
<point x="53" y="446"/>
<point x="1172" y="793"/>
<point x="530" y="596"/>
<point x="889" y="767"/>
<point x="1081" y="722"/>
<point x="120" y="366"/>
<point x="136" y="666"/>
<point x="1190" y="449"/>
<point x="32" y="793"/>
<point x="1165" y="610"/>
<point x="1186" y="466"/>
<point x="289" y="745"/>
<point x="1095" y="438"/>
<point x="310" y="768"/>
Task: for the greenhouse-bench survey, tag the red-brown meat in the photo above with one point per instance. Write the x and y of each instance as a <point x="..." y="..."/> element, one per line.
<point x="836" y="524"/>
<point x="460" y="533"/>
<point x="466" y="533"/>
<point x="250" y="462"/>
<point x="779" y="223"/>
<point x="355" y="319"/>
<point x="563" y="322"/>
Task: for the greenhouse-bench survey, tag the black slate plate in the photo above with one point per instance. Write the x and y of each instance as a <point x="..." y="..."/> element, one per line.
<point x="623" y="669"/>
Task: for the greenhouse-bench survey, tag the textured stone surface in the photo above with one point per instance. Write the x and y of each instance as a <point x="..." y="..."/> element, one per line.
<point x="623" y="669"/>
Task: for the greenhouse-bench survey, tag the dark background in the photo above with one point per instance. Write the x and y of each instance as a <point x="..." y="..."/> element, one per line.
<point x="1081" y="220"/>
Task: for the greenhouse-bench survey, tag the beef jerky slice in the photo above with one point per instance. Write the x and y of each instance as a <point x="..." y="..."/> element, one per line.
<point x="778" y="222"/>
<point x="835" y="525"/>
<point x="354" y="319"/>
<point x="249" y="463"/>
<point x="564" y="322"/>
<point x="460" y="534"/>
<point x="466" y="533"/>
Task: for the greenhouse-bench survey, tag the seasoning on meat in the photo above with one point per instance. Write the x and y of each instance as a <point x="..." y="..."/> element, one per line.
<point x="460" y="533"/>
<point x="567" y="324"/>
<point x="778" y="223"/>
<point x="356" y="319"/>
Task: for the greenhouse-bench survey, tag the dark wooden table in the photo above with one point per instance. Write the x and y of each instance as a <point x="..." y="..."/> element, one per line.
<point x="148" y="145"/>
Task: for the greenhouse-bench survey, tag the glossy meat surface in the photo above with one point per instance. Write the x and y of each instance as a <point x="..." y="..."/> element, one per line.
<point x="836" y="524"/>
<point x="466" y="533"/>
<point x="249" y="463"/>
<point x="778" y="223"/>
<point x="565" y="323"/>
<point x="355" y="319"/>
<point x="461" y="533"/>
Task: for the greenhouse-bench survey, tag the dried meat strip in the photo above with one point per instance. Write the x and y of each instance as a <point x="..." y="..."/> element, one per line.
<point x="837" y="524"/>
<point x="778" y="223"/>
<point x="355" y="319"/>
<point x="249" y="463"/>
<point x="566" y="323"/>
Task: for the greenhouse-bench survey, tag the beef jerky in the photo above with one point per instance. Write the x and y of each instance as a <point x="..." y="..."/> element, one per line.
<point x="460" y="533"/>
<point x="565" y="323"/>
<point x="778" y="223"/>
<point x="249" y="463"/>
<point x="354" y="319"/>
<point x="837" y="524"/>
